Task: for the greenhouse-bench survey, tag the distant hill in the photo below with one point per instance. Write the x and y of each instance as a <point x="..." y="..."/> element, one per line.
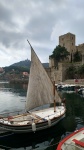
<point x="24" y="63"/>
<point x="27" y="63"/>
<point x="22" y="66"/>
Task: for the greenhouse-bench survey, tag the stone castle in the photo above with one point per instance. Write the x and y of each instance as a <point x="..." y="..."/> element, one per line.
<point x="67" y="41"/>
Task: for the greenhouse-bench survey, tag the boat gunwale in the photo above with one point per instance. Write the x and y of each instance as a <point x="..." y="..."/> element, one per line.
<point x="28" y="128"/>
<point x="45" y="120"/>
<point x="10" y="119"/>
<point x="59" y="147"/>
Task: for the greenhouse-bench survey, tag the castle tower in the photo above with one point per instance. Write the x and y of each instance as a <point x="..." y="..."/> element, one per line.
<point x="68" y="41"/>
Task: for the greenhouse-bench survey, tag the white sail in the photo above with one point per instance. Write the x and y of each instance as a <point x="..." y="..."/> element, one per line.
<point x="40" y="87"/>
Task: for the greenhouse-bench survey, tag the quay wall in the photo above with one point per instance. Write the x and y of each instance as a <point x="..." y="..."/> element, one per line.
<point x="74" y="81"/>
<point x="20" y="81"/>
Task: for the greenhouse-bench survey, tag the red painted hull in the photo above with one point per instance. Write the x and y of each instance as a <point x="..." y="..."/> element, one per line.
<point x="68" y="137"/>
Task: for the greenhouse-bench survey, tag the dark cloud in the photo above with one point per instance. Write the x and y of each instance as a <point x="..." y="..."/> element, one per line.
<point x="5" y="14"/>
<point x="40" y="21"/>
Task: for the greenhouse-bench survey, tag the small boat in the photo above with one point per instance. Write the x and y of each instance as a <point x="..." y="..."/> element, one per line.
<point x="74" y="141"/>
<point x="67" y="88"/>
<point x="81" y="91"/>
<point x="41" y="111"/>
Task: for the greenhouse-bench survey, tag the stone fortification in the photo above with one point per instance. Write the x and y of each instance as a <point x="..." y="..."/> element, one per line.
<point x="59" y="73"/>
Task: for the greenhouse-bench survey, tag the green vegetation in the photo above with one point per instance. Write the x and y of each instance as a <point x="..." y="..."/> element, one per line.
<point x="59" y="54"/>
<point x="70" y="72"/>
<point x="22" y="66"/>
<point x="80" y="71"/>
<point x="17" y="69"/>
<point x="77" y="56"/>
<point x="75" y="72"/>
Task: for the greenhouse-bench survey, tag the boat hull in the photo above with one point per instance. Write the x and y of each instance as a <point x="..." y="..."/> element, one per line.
<point x="73" y="141"/>
<point x="28" y="128"/>
<point x="15" y="140"/>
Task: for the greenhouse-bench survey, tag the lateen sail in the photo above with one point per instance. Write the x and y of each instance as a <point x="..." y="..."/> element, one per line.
<point x="40" y="87"/>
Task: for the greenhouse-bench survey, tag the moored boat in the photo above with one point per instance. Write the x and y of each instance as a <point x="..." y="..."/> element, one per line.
<point x="81" y="91"/>
<point x="74" y="141"/>
<point x="40" y="111"/>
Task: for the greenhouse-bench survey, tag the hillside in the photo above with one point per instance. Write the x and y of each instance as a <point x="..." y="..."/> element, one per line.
<point x="22" y="66"/>
<point x="15" y="71"/>
<point x="24" y="63"/>
<point x="27" y="63"/>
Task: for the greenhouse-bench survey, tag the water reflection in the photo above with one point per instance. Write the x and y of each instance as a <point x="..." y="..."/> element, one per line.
<point x="12" y="97"/>
<point x="75" y="106"/>
<point x="21" y="89"/>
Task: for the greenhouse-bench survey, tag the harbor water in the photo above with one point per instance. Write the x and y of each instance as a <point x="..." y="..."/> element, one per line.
<point x="13" y="97"/>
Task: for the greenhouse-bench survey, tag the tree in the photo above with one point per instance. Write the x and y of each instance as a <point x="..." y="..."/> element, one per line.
<point x="77" y="56"/>
<point x="81" y="71"/>
<point x="70" y="72"/>
<point x="59" y="54"/>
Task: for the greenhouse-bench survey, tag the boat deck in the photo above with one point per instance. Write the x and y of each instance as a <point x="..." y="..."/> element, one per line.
<point x="36" y="116"/>
<point x="49" y="113"/>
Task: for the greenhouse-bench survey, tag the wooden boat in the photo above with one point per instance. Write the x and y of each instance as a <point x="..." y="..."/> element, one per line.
<point x="15" y="140"/>
<point x="74" y="141"/>
<point x="41" y="111"/>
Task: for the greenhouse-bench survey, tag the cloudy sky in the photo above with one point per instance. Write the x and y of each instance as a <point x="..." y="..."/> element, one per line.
<point x="39" y="21"/>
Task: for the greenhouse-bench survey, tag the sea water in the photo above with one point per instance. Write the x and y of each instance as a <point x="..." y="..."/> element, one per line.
<point x="13" y="97"/>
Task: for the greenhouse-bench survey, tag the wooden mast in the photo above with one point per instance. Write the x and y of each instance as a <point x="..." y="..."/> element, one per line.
<point x="54" y="95"/>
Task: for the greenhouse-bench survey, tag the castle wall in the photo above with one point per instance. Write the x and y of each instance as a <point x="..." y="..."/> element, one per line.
<point x="51" y="62"/>
<point x="56" y="74"/>
<point x="80" y="48"/>
<point x="59" y="74"/>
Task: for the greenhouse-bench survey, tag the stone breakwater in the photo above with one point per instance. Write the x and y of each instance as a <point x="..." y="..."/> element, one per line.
<point x="21" y="81"/>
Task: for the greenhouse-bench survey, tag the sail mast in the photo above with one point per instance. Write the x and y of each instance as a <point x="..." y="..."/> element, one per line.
<point x="54" y="96"/>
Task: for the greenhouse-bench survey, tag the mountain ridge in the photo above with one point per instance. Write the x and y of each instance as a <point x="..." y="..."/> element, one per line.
<point x="27" y="63"/>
